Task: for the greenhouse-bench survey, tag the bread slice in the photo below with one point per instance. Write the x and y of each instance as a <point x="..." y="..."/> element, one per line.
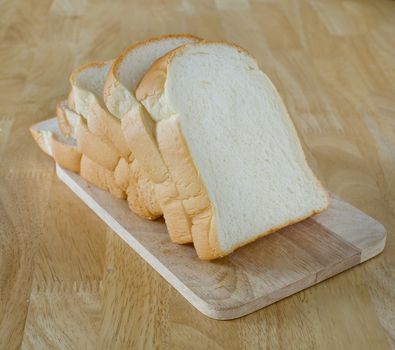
<point x="124" y="181"/>
<point x="230" y="146"/>
<point x="61" y="149"/>
<point x="126" y="71"/>
<point x="103" y="140"/>
<point x="65" y="153"/>
<point x="74" y="126"/>
<point x="87" y="96"/>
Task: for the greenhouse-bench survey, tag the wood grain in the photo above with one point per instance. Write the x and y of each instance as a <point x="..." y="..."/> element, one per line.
<point x="333" y="62"/>
<point x="254" y="276"/>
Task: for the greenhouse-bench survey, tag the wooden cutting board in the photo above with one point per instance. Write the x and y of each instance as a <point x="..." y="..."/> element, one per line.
<point x="254" y="276"/>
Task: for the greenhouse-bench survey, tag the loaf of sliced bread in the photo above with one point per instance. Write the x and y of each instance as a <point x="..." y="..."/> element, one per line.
<point x="230" y="146"/>
<point x="125" y="73"/>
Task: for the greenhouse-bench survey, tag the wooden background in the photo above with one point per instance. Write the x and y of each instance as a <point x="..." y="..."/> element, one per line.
<point x="68" y="282"/>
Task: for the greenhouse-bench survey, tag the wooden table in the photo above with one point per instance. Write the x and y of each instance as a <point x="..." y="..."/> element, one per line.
<point x="68" y="282"/>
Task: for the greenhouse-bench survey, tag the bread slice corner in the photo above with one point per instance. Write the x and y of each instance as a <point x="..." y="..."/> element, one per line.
<point x="62" y="150"/>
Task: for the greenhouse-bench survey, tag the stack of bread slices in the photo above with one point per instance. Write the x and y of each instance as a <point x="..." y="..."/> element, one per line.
<point x="192" y="130"/>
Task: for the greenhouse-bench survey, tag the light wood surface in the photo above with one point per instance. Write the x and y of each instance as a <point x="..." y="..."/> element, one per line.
<point x="255" y="276"/>
<point x="68" y="282"/>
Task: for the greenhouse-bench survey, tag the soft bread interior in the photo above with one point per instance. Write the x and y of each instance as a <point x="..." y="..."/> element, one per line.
<point x="137" y="62"/>
<point x="131" y="66"/>
<point x="92" y="77"/>
<point x="241" y="141"/>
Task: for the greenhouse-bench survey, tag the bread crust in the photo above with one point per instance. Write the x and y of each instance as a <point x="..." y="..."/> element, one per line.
<point x="42" y="140"/>
<point x="100" y="177"/>
<point x="181" y="165"/>
<point x="154" y="79"/>
<point x="118" y="183"/>
<point x="140" y="199"/>
<point x="191" y="191"/>
<point x="66" y="155"/>
<point x="96" y="148"/>
<point x="139" y="131"/>
<point x="141" y="195"/>
<point x="64" y="125"/>
<point x="70" y="101"/>
<point x="113" y="81"/>
<point x="100" y="121"/>
<point x="114" y="87"/>
<point x="103" y="124"/>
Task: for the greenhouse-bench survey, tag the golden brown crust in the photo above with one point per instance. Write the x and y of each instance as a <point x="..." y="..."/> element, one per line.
<point x="42" y="140"/>
<point x="191" y="191"/>
<point x="134" y="202"/>
<point x="100" y="121"/>
<point x="177" y="221"/>
<point x="141" y="196"/>
<point x="70" y="101"/>
<point x="65" y="155"/>
<point x="103" y="124"/>
<point x="106" y="132"/>
<point x="63" y="123"/>
<point x="100" y="177"/>
<point x="140" y="138"/>
<point x="96" y="149"/>
<point x="107" y="128"/>
<point x="139" y="131"/>
<point x="154" y="79"/>
<point x="121" y="174"/>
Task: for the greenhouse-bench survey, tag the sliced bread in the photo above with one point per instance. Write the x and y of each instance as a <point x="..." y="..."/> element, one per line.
<point x="52" y="142"/>
<point x="125" y="73"/>
<point x="124" y="181"/>
<point x="100" y="177"/>
<point x="230" y="146"/>
<point x="68" y="119"/>
<point x="103" y="140"/>
<point x="87" y="90"/>
<point x="64" y="151"/>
